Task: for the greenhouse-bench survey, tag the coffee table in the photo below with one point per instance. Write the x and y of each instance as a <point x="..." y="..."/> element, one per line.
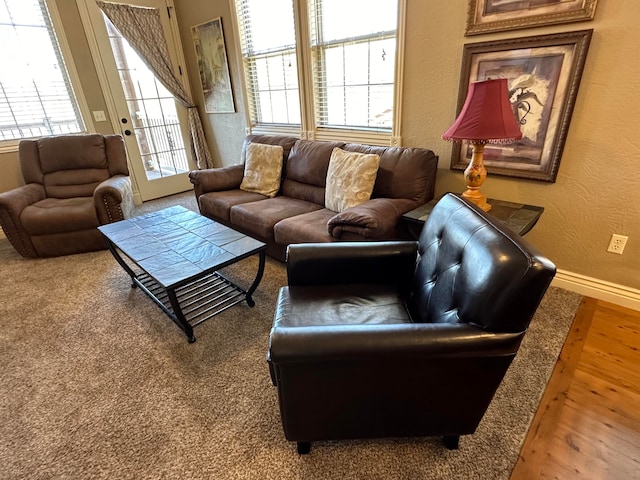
<point x="174" y="255"/>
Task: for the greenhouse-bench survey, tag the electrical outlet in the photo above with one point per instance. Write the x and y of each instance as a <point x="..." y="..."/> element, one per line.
<point x="617" y="243"/>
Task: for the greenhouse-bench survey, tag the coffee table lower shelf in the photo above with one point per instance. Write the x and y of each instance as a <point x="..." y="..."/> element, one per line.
<point x="198" y="301"/>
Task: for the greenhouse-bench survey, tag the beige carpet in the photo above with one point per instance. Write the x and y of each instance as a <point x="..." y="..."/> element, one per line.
<point x="96" y="382"/>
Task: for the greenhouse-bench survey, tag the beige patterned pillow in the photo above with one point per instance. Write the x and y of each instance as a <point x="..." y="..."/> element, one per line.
<point x="350" y="179"/>
<point x="262" y="169"/>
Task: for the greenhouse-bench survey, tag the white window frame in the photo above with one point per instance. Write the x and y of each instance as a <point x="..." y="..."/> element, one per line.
<point x="308" y="128"/>
<point x="7" y="146"/>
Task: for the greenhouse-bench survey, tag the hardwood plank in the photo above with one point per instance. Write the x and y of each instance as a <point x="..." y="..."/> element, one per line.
<point x="608" y="400"/>
<point x="588" y="422"/>
<point x="534" y="449"/>
<point x="592" y="448"/>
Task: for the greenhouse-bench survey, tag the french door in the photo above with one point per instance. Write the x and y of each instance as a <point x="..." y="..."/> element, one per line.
<point x="153" y="125"/>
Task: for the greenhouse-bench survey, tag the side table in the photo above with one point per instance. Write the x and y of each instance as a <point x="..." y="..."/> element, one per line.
<point x="517" y="216"/>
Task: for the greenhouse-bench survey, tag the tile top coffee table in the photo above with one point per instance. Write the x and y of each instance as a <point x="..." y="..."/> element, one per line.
<point x="173" y="256"/>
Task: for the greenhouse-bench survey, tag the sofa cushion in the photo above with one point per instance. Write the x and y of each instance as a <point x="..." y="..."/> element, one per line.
<point x="218" y="204"/>
<point x="262" y="169"/>
<point x="306" y="172"/>
<point x="305" y="228"/>
<point x="350" y="179"/>
<point x="403" y="172"/>
<point x="259" y="217"/>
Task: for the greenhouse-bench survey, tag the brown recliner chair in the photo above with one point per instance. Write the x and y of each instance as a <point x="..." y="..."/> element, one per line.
<point x="73" y="184"/>
<point x="368" y="343"/>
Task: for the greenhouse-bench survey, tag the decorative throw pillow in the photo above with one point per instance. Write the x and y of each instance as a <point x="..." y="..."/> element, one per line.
<point x="350" y="179"/>
<point x="262" y="169"/>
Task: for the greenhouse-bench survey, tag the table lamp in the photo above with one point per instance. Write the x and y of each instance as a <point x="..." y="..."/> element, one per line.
<point x="486" y="117"/>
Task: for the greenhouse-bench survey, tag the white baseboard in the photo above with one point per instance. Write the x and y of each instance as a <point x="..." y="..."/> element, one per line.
<point x="600" y="289"/>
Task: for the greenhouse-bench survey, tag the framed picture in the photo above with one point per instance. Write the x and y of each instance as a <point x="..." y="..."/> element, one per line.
<point x="211" y="54"/>
<point x="494" y="15"/>
<point x="543" y="75"/>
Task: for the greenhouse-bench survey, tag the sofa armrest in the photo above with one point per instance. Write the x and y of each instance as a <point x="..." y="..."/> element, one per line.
<point x="12" y="203"/>
<point x="113" y="199"/>
<point x="216" y="179"/>
<point x="393" y="341"/>
<point x="350" y="263"/>
<point x="371" y="219"/>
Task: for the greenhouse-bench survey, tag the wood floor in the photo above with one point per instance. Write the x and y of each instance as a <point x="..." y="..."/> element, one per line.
<point x="588" y="422"/>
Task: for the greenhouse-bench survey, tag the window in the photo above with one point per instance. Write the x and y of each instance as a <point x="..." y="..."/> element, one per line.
<point x="36" y="97"/>
<point x="327" y="68"/>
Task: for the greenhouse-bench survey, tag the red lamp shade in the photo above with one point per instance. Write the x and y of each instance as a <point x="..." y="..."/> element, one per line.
<point x="486" y="116"/>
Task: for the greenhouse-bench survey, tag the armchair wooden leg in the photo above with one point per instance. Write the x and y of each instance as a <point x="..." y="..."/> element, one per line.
<point x="451" y="441"/>
<point x="304" y="448"/>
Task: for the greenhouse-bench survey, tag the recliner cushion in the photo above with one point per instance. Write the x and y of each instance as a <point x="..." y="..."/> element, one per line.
<point x="54" y="215"/>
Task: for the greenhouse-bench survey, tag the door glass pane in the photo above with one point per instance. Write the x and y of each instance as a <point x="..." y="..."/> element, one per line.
<point x="152" y="110"/>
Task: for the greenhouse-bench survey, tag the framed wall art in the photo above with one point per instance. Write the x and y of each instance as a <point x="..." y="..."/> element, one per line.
<point x="211" y="54"/>
<point x="486" y="16"/>
<point x="543" y="74"/>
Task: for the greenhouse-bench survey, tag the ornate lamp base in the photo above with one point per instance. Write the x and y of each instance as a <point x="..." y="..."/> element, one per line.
<point x="474" y="176"/>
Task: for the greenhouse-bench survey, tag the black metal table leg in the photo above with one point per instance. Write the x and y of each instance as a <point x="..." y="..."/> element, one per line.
<point x="123" y="264"/>
<point x="178" y="316"/>
<point x="256" y="281"/>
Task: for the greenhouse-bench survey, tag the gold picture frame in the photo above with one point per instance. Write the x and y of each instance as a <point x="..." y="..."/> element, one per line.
<point x="485" y="16"/>
<point x="543" y="74"/>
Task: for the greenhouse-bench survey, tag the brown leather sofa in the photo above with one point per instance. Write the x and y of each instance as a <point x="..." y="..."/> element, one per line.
<point x="405" y="180"/>
<point x="367" y="344"/>
<point x="73" y="184"/>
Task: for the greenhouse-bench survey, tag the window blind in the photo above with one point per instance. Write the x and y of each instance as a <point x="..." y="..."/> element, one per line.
<point x="268" y="44"/>
<point x="36" y="97"/>
<point x="353" y="51"/>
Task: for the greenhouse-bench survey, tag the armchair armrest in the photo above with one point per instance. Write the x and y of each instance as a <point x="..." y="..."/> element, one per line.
<point x="113" y="199"/>
<point x="350" y="262"/>
<point x="371" y="219"/>
<point x="393" y="341"/>
<point x="12" y="203"/>
<point x="216" y="179"/>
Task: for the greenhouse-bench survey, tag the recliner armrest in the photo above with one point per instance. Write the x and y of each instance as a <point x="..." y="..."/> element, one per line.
<point x="216" y="179"/>
<point x="113" y="199"/>
<point x="394" y="341"/>
<point x="351" y="262"/>
<point x="12" y="203"/>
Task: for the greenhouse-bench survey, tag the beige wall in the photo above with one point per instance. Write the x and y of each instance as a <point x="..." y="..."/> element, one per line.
<point x="594" y="195"/>
<point x="596" y="192"/>
<point x="225" y="131"/>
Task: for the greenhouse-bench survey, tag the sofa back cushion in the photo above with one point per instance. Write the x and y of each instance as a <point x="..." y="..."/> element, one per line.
<point x="403" y="173"/>
<point x="306" y="171"/>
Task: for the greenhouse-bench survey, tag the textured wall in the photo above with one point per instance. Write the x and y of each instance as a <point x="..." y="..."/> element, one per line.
<point x="225" y="131"/>
<point x="595" y="194"/>
<point x="596" y="191"/>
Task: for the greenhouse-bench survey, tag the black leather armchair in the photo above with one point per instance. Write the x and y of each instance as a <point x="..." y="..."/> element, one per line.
<point x="396" y="339"/>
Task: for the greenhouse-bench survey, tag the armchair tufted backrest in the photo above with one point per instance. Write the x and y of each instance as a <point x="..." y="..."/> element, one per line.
<point x="72" y="165"/>
<point x="473" y="270"/>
